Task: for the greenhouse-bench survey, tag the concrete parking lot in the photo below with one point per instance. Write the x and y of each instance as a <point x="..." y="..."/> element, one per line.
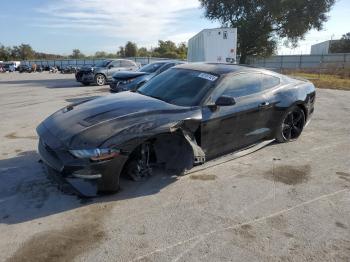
<point x="285" y="202"/>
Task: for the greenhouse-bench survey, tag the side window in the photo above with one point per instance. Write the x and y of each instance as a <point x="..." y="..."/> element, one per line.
<point x="126" y="63"/>
<point x="269" y="81"/>
<point x="116" y="63"/>
<point x="165" y="67"/>
<point x="241" y="85"/>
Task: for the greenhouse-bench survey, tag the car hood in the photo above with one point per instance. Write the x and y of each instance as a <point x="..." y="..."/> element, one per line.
<point x="122" y="116"/>
<point x="123" y="75"/>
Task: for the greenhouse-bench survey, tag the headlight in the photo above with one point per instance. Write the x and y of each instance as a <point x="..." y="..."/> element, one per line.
<point x="125" y="82"/>
<point x="92" y="69"/>
<point x="97" y="154"/>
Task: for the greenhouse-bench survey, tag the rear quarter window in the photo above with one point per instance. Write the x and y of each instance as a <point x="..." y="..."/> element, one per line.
<point x="268" y="82"/>
<point x="241" y="85"/>
<point x="126" y="63"/>
<point x="116" y="63"/>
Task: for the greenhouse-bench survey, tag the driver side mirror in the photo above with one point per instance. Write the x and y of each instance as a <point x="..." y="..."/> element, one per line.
<point x="225" y="101"/>
<point x="110" y="66"/>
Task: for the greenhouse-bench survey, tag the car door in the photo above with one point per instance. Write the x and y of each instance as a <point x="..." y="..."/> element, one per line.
<point x="228" y="128"/>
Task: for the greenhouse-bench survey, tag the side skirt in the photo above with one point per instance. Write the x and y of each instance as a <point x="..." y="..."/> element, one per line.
<point x="229" y="157"/>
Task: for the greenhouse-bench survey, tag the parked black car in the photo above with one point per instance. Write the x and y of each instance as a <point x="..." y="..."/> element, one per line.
<point x="183" y="117"/>
<point x="69" y="69"/>
<point x="101" y="73"/>
<point x="24" y="69"/>
<point x="126" y="80"/>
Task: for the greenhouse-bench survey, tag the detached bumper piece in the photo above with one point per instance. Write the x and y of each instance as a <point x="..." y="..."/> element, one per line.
<point x="116" y="87"/>
<point x="81" y="187"/>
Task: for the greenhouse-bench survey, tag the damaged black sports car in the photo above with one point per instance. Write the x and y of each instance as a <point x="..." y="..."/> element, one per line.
<point x="181" y="118"/>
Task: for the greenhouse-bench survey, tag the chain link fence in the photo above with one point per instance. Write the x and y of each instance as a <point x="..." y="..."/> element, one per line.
<point x="318" y="63"/>
<point x="315" y="63"/>
<point x="87" y="62"/>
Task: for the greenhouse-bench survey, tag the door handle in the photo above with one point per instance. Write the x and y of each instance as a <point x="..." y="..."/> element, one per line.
<point x="264" y="104"/>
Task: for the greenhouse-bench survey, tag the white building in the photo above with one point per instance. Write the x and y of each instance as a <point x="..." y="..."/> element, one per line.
<point x="322" y="48"/>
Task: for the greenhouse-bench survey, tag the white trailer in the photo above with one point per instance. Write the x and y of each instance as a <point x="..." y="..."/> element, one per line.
<point x="15" y="63"/>
<point x="213" y="45"/>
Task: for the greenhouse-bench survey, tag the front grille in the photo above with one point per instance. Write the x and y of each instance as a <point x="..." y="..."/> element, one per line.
<point x="50" y="150"/>
<point x="78" y="75"/>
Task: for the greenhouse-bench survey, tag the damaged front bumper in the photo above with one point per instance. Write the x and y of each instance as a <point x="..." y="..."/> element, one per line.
<point x="118" y="86"/>
<point x="85" y="77"/>
<point x="102" y="175"/>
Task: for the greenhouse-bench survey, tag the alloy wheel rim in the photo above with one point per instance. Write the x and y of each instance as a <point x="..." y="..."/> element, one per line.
<point x="292" y="125"/>
<point x="100" y="80"/>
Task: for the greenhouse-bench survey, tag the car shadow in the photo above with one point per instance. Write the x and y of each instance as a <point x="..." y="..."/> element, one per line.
<point x="47" y="83"/>
<point x="27" y="192"/>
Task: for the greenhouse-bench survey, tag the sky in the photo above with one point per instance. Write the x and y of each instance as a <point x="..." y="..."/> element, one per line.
<point x="104" y="25"/>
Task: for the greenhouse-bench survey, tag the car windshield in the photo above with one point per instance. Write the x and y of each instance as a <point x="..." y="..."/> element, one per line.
<point x="103" y="63"/>
<point x="151" y="68"/>
<point x="179" y="86"/>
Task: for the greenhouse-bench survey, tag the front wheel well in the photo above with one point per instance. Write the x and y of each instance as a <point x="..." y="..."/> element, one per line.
<point x="170" y="151"/>
<point x="100" y="74"/>
<point x="303" y="107"/>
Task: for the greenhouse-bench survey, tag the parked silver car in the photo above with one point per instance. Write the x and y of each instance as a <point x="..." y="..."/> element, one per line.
<point x="101" y="73"/>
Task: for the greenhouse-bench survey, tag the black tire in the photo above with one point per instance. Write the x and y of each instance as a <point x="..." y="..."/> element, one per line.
<point x="100" y="80"/>
<point x="85" y="83"/>
<point x="291" y="125"/>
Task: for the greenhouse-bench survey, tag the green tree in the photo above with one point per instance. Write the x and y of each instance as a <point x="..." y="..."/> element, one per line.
<point x="342" y="45"/>
<point x="261" y="23"/>
<point x="22" y="52"/>
<point x="165" y="47"/>
<point x="15" y="53"/>
<point x="121" y="51"/>
<point x="26" y="52"/>
<point x="143" y="52"/>
<point x="182" y="51"/>
<point x="130" y="49"/>
<point x="100" y="54"/>
<point x="77" y="54"/>
<point x="5" y="53"/>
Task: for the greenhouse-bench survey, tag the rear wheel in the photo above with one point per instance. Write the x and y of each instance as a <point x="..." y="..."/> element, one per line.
<point x="100" y="80"/>
<point x="291" y="126"/>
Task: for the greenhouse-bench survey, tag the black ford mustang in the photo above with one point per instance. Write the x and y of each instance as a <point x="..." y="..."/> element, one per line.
<point x="181" y="118"/>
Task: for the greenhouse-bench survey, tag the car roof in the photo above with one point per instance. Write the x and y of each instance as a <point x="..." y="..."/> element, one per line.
<point x="167" y="62"/>
<point x="216" y="68"/>
<point x="117" y="59"/>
